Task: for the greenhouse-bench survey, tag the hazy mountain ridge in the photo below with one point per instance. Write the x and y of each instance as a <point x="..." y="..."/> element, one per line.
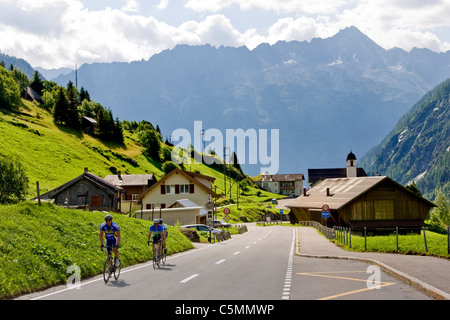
<point x="325" y="96"/>
<point x="418" y="148"/>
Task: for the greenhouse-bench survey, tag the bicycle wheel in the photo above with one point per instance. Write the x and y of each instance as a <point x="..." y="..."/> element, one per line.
<point x="116" y="271"/>
<point x="107" y="269"/>
<point x="163" y="256"/>
<point x="155" y="257"/>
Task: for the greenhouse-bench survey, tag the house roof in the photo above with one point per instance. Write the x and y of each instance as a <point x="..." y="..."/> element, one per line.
<point x="188" y="175"/>
<point x="130" y="179"/>
<point x="342" y="190"/>
<point x="315" y="175"/>
<point x="186" y="203"/>
<point x="282" y="177"/>
<point x="96" y="180"/>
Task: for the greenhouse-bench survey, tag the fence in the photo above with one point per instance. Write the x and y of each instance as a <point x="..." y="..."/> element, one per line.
<point x="344" y="236"/>
<point x="327" y="232"/>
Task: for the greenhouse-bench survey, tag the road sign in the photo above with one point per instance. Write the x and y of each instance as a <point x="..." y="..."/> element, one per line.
<point x="325" y="214"/>
<point x="226" y="210"/>
<point x="281" y="211"/>
<point x="226" y="218"/>
<point x="325" y="207"/>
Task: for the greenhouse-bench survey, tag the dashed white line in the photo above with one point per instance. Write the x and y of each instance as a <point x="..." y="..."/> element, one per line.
<point x="220" y="261"/>
<point x="237" y="252"/>
<point x="287" y="281"/>
<point x="189" y="278"/>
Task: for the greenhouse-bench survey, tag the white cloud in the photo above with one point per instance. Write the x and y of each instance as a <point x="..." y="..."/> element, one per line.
<point x="162" y="5"/>
<point x="279" y="6"/>
<point x="130" y="6"/>
<point x="54" y="33"/>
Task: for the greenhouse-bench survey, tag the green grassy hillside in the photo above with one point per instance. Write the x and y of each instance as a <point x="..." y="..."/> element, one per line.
<point x="53" y="155"/>
<point x="39" y="243"/>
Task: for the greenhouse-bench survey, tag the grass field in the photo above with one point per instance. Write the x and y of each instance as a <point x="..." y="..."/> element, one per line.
<point x="39" y="243"/>
<point x="407" y="244"/>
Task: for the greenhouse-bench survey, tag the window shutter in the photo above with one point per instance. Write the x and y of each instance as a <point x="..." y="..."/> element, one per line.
<point x="148" y="206"/>
<point x="163" y="189"/>
<point x="191" y="188"/>
<point x="163" y="205"/>
<point x="177" y="189"/>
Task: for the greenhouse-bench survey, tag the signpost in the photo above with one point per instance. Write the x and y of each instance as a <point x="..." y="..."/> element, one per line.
<point x="325" y="211"/>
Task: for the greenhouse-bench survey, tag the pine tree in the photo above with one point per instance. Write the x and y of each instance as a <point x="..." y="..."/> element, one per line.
<point x="61" y="106"/>
<point x="37" y="84"/>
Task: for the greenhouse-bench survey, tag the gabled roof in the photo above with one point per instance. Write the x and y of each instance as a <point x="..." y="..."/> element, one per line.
<point x="186" y="203"/>
<point x="188" y="175"/>
<point x="343" y="191"/>
<point x="130" y="179"/>
<point x="282" y="177"/>
<point x="97" y="181"/>
<point x="315" y="175"/>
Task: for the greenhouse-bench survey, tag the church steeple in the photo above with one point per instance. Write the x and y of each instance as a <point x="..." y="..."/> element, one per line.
<point x="351" y="165"/>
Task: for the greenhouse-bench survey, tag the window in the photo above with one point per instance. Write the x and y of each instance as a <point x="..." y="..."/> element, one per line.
<point x="170" y="189"/>
<point x="184" y="188"/>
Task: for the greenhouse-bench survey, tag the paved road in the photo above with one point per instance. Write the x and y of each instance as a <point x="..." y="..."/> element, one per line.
<point x="257" y="265"/>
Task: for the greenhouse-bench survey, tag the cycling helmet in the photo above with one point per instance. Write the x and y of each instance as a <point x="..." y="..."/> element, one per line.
<point x="156" y="221"/>
<point x="161" y="220"/>
<point x="108" y="217"/>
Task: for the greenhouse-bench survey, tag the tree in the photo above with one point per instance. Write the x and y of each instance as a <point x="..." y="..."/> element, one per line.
<point x="37" y="84"/>
<point x="440" y="215"/>
<point x="168" y="166"/>
<point x="73" y="119"/>
<point x="9" y="91"/>
<point x="149" y="139"/>
<point x="61" y="106"/>
<point x="13" y="181"/>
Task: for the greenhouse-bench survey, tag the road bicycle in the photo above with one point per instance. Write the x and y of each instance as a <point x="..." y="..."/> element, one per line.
<point x="110" y="267"/>
<point x="158" y="254"/>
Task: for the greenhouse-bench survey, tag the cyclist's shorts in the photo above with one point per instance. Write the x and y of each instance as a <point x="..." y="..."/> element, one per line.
<point x="110" y="244"/>
<point x="156" y="238"/>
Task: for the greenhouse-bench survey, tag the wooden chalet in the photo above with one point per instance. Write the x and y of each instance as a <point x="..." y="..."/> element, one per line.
<point x="357" y="202"/>
<point x="86" y="191"/>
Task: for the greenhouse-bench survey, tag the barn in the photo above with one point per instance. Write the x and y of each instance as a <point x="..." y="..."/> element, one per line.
<point x="86" y="191"/>
<point x="377" y="203"/>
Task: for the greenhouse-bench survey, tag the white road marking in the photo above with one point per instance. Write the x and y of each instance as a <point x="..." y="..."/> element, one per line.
<point x="220" y="261"/>
<point x="189" y="278"/>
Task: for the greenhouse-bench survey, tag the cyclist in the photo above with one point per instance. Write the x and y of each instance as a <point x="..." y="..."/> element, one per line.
<point x="112" y="235"/>
<point x="164" y="234"/>
<point x="155" y="232"/>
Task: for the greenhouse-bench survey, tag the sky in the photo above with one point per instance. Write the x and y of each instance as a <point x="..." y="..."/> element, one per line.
<point x="64" y="33"/>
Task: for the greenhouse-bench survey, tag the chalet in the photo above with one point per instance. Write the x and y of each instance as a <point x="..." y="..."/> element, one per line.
<point x="88" y="125"/>
<point x="32" y="95"/>
<point x="317" y="175"/>
<point x="132" y="186"/>
<point x="163" y="198"/>
<point x="285" y="184"/>
<point x="357" y="202"/>
<point x="86" y="191"/>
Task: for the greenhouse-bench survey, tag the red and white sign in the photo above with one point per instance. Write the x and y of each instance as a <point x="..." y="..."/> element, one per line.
<point x="325" y="207"/>
<point x="226" y="210"/>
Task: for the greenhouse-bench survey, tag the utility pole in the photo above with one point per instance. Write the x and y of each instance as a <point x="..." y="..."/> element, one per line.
<point x="76" y="76"/>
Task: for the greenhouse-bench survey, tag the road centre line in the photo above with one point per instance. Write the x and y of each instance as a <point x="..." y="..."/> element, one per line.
<point x="129" y="269"/>
<point x="220" y="261"/>
<point x="189" y="278"/>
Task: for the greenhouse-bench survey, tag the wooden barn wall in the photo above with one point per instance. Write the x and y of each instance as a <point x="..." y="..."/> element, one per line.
<point x="385" y="202"/>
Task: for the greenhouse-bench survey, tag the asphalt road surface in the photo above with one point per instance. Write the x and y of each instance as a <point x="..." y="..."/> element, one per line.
<point x="257" y="265"/>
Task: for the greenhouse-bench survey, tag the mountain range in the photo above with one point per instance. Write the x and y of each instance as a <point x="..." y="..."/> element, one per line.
<point x="325" y="96"/>
<point x="418" y="148"/>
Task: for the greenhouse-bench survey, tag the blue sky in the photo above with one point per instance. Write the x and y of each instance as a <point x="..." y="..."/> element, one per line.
<point x="62" y="33"/>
